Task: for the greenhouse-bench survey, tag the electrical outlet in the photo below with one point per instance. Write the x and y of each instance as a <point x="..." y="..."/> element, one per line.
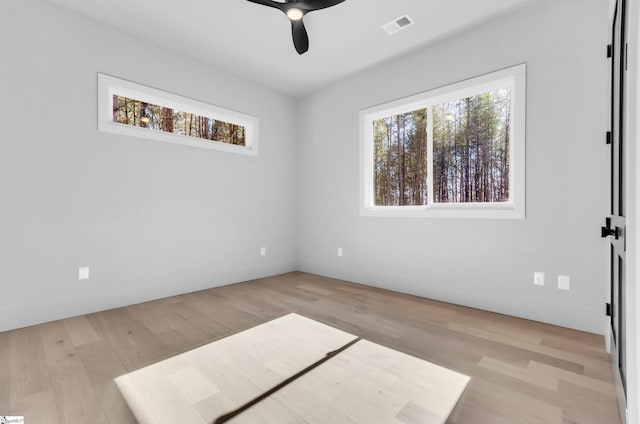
<point x="564" y="282"/>
<point x="83" y="273"/>
<point x="339" y="251"/>
<point x="538" y="278"/>
<point x="263" y="251"/>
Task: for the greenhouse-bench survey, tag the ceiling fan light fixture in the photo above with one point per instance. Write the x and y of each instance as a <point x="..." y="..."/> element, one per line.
<point x="295" y="14"/>
<point x="295" y="11"/>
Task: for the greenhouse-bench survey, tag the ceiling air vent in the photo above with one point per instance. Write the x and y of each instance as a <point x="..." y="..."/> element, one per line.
<point x="397" y="25"/>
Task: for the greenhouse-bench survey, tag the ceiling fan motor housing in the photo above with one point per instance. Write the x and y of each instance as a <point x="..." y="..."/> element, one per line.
<point x="295" y="11"/>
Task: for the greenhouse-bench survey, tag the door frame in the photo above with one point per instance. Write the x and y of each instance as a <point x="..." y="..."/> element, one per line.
<point x="632" y="131"/>
<point x="619" y="208"/>
<point x="632" y="159"/>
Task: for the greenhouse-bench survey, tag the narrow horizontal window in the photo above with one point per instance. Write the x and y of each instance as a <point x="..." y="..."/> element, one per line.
<point x="136" y="110"/>
<point x="457" y="151"/>
<point x="141" y="114"/>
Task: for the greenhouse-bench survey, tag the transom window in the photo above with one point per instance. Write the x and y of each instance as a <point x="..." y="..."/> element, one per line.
<point x="136" y="110"/>
<point x="141" y="114"/>
<point x="457" y="151"/>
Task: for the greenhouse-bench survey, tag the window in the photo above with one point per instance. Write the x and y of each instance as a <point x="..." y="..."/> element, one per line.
<point x="457" y="151"/>
<point x="139" y="111"/>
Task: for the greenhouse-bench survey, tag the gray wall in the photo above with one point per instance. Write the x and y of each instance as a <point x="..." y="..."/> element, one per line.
<point x="487" y="264"/>
<point x="151" y="219"/>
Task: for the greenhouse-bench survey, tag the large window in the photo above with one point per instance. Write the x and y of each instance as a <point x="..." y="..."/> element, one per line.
<point x="140" y="111"/>
<point x="457" y="151"/>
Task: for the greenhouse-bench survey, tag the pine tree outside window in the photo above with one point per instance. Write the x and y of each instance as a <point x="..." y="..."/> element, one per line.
<point x="457" y="151"/>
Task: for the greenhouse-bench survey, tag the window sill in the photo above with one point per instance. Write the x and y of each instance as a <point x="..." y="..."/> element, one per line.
<point x="441" y="212"/>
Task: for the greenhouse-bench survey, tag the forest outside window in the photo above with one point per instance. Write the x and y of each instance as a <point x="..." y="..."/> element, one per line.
<point x="136" y="110"/>
<point x="457" y="151"/>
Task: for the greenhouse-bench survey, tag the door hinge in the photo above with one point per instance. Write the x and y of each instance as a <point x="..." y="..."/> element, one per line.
<point x="608" y="137"/>
<point x="609" y="51"/>
<point x="608" y="309"/>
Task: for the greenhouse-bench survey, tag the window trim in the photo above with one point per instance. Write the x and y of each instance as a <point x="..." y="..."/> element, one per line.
<point x="109" y="86"/>
<point x="513" y="77"/>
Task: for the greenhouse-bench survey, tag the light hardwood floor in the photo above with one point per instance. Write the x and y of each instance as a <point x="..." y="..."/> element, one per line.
<point x="522" y="371"/>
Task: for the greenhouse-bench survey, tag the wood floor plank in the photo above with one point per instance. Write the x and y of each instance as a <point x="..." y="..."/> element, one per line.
<point x="5" y="372"/>
<point x="73" y="392"/>
<point x="579" y="380"/>
<point x="519" y="406"/>
<point x="584" y="360"/>
<point x="315" y="289"/>
<point x="102" y="365"/>
<point x="111" y="343"/>
<point x="37" y="407"/>
<point x="171" y="327"/>
<point x="81" y="331"/>
<point x="138" y="346"/>
<point x="577" y="346"/>
<point x="29" y="372"/>
<point x="543" y="380"/>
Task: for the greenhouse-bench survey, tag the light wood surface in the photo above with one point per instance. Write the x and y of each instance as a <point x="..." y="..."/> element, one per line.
<point x="78" y="386"/>
<point x="366" y="383"/>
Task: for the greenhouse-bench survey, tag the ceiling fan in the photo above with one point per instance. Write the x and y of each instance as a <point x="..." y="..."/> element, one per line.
<point x="295" y="11"/>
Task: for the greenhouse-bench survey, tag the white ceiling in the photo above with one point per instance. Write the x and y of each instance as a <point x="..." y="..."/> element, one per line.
<point x="254" y="41"/>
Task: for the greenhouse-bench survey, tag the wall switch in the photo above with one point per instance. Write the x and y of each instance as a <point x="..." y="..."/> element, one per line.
<point x="339" y="251"/>
<point x="263" y="251"/>
<point x="564" y="282"/>
<point x="83" y="273"/>
<point x="538" y="278"/>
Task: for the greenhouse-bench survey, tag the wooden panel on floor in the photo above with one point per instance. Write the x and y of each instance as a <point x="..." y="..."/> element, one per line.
<point x="366" y="383"/>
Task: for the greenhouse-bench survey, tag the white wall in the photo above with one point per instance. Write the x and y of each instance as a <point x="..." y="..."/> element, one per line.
<point x="481" y="263"/>
<point x="151" y="219"/>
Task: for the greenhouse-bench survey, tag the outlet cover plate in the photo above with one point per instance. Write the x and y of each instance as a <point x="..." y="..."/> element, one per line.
<point x="538" y="278"/>
<point x="564" y="282"/>
<point x="83" y="273"/>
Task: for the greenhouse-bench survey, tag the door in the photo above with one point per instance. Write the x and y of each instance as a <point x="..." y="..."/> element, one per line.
<point x="615" y="225"/>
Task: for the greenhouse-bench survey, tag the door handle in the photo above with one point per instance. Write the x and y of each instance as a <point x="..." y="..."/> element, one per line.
<point x="606" y="231"/>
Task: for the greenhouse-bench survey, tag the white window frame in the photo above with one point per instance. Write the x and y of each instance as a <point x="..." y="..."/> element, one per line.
<point x="513" y="78"/>
<point x="109" y="86"/>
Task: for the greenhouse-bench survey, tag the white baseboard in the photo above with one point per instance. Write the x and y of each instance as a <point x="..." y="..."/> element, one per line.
<point x="25" y="315"/>
<point x="592" y="321"/>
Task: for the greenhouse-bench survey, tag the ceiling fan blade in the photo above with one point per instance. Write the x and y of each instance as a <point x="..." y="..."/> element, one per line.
<point x="310" y="5"/>
<point x="269" y="3"/>
<point x="300" y="37"/>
